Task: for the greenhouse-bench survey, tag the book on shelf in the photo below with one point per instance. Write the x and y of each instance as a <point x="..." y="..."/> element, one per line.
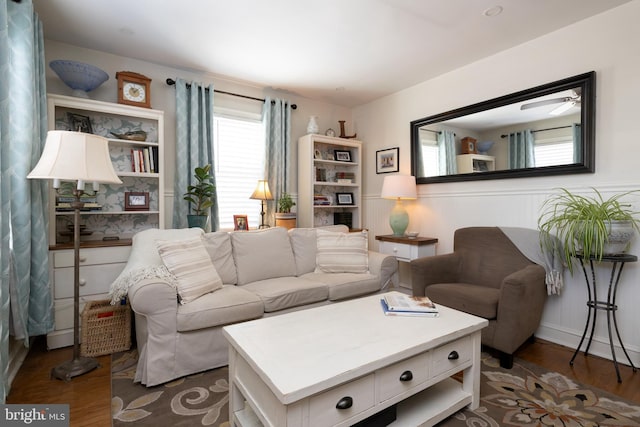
<point x="402" y="302"/>
<point x="144" y="160"/>
<point x="388" y="312"/>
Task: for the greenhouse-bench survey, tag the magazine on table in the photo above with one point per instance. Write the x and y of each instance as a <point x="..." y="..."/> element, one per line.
<point x="388" y="312"/>
<point x="402" y="302"/>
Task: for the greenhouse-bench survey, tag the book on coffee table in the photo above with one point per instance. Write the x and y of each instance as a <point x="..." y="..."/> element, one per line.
<point x="387" y="312"/>
<point x="401" y="302"/>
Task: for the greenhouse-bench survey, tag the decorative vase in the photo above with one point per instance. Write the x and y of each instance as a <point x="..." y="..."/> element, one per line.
<point x="312" y="126"/>
<point x="286" y="220"/>
<point x="195" y="221"/>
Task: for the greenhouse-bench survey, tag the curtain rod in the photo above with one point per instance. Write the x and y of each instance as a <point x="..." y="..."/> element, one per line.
<point x="172" y="82"/>
<point x="434" y="131"/>
<point x="542" y="130"/>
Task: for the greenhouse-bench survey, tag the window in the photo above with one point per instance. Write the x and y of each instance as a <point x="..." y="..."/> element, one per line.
<point x="239" y="147"/>
<point x="554" y="151"/>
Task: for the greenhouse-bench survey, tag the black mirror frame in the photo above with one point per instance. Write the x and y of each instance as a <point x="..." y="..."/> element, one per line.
<point x="586" y="81"/>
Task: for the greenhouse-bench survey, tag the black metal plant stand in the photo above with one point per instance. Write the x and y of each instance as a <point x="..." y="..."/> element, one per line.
<point x="617" y="263"/>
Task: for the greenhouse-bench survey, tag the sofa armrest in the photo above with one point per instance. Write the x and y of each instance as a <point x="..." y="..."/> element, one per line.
<point x="383" y="266"/>
<point x="426" y="271"/>
<point x="521" y="301"/>
<point x="151" y="296"/>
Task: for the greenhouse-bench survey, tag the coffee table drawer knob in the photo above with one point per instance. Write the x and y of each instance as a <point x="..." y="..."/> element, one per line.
<point x="453" y="355"/>
<point x="345" y="403"/>
<point x="406" y="376"/>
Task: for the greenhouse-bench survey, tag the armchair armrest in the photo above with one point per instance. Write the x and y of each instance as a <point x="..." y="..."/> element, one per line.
<point x="434" y="269"/>
<point x="521" y="301"/>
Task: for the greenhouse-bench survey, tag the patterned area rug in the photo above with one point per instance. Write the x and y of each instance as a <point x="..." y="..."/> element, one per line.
<point x="525" y="395"/>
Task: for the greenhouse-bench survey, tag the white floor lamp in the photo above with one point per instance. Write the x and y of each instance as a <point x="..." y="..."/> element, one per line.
<point x="82" y="158"/>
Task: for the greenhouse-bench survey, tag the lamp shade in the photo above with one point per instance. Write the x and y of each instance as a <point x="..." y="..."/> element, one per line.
<point x="262" y="191"/>
<point x="399" y="187"/>
<point x="75" y="156"/>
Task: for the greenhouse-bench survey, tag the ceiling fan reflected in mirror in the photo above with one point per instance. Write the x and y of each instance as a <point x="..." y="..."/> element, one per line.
<point x="566" y="102"/>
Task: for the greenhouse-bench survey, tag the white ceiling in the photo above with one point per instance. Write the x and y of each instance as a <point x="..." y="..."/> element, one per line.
<point x="346" y="52"/>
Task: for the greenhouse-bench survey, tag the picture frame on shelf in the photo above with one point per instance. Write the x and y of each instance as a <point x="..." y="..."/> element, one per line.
<point x="79" y="123"/>
<point x="388" y="160"/>
<point x="342" y="155"/>
<point x="240" y="223"/>
<point x="136" y="201"/>
<point x="344" y="199"/>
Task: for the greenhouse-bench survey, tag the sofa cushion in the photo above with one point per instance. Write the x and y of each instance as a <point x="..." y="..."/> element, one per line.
<point x="189" y="261"/>
<point x="346" y="285"/>
<point x="285" y="292"/>
<point x="303" y="243"/>
<point x="230" y="304"/>
<point x="481" y="301"/>
<point x="262" y="254"/>
<point x="342" y="252"/>
<point x="218" y="245"/>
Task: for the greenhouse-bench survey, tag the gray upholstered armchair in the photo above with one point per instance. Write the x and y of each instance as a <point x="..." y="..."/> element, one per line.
<point x="486" y="275"/>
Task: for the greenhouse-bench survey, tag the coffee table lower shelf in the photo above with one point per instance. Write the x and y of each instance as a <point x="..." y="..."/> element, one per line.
<point x="411" y="412"/>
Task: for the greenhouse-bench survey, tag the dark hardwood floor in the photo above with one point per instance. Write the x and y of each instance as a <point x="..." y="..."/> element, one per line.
<point x="89" y="395"/>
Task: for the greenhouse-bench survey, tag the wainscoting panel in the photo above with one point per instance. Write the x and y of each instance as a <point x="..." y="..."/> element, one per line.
<point x="439" y="214"/>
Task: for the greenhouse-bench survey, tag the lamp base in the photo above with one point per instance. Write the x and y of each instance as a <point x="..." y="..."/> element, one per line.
<point x="72" y="368"/>
<point x="399" y="219"/>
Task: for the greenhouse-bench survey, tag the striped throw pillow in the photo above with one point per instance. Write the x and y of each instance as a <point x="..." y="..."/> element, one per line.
<point x="189" y="261"/>
<point x="342" y="252"/>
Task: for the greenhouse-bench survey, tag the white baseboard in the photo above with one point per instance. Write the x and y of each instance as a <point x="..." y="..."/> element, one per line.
<point x="599" y="345"/>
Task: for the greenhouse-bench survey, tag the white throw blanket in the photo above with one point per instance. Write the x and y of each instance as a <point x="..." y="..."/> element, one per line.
<point x="528" y="242"/>
<point x="120" y="287"/>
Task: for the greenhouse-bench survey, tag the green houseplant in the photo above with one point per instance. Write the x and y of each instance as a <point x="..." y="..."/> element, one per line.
<point x="588" y="225"/>
<point x="284" y="216"/>
<point x="200" y="196"/>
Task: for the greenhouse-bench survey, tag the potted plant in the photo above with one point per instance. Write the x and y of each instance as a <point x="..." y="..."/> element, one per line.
<point x="200" y="196"/>
<point x="284" y="216"/>
<point x="591" y="226"/>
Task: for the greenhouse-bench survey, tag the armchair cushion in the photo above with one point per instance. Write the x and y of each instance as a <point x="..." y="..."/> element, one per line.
<point x="478" y="300"/>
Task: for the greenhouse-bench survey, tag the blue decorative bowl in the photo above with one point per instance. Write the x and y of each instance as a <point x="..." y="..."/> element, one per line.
<point x="484" y="146"/>
<point x="80" y="77"/>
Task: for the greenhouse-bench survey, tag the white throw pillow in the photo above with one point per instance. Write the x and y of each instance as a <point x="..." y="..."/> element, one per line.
<point x="342" y="252"/>
<point x="189" y="261"/>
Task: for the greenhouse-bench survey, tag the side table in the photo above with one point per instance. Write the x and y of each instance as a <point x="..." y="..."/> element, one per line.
<point x="617" y="263"/>
<point x="406" y="248"/>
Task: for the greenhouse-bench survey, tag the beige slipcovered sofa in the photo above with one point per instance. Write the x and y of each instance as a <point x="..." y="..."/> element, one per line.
<point x="262" y="273"/>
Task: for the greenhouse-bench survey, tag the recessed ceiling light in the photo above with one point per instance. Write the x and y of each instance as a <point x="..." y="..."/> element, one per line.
<point x="126" y="31"/>
<point x="493" y="11"/>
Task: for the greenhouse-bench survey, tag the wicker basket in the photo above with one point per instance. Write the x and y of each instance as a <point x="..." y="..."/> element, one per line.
<point x="106" y="328"/>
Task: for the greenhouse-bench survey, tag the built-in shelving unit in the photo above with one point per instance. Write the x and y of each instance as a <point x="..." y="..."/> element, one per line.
<point x="329" y="181"/>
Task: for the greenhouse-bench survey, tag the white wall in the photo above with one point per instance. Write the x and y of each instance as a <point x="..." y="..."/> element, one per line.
<point x="607" y="44"/>
<point x="163" y="98"/>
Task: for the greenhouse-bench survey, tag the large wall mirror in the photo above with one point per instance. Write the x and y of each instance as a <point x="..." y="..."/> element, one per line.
<point x="545" y="130"/>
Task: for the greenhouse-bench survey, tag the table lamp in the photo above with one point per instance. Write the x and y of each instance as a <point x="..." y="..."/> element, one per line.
<point x="263" y="194"/>
<point x="399" y="187"/>
<point x="78" y="157"/>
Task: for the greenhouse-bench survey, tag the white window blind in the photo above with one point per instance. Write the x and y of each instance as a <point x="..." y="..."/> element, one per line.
<point x="239" y="147"/>
<point x="554" y="151"/>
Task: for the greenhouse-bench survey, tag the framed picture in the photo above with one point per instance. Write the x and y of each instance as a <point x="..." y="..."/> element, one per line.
<point x="136" y="201"/>
<point x="344" y="198"/>
<point x="79" y="123"/>
<point x="342" y="155"/>
<point x="240" y="222"/>
<point x="388" y="160"/>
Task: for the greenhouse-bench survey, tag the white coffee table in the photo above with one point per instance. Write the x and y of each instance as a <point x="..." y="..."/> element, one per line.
<point x="338" y="364"/>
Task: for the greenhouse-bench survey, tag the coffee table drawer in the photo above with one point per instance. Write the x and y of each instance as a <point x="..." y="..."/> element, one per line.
<point x="450" y="357"/>
<point x="402" y="376"/>
<point x="355" y="397"/>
